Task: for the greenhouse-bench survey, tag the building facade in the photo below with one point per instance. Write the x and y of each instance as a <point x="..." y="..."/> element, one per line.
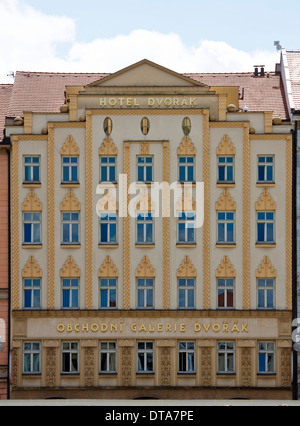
<point x="151" y="235"/>
<point x="5" y="93"/>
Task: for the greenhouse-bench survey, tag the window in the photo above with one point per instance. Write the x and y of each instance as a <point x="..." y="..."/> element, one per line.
<point x="70" y="357"/>
<point x="70" y="228"/>
<point x="265" y="172"/>
<point x="186" y="169"/>
<point x="108" y="293"/>
<point x="108" y="169"/>
<point x="265" y="293"/>
<point x="145" y="169"/>
<point x="186" y="126"/>
<point x="70" y="293"/>
<point x="225" y="293"/>
<point x="107" y="126"/>
<point x="31" y="169"/>
<point x="225" y="169"/>
<point x="108" y="228"/>
<point x="31" y="357"/>
<point x="226" y="357"/>
<point x="108" y="357"/>
<point x="32" y="228"/>
<point x="145" y="357"/>
<point x="32" y="293"/>
<point x="144" y="228"/>
<point x="225" y="228"/>
<point x="70" y="169"/>
<point x="265" y="227"/>
<point x="145" y="293"/>
<point x="266" y="357"/>
<point x="186" y="357"/>
<point x="186" y="227"/>
<point x="186" y="293"/>
<point x="145" y="126"/>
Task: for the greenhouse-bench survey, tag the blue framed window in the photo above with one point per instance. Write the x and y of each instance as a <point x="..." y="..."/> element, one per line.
<point x="70" y="358"/>
<point x="186" y="228"/>
<point x="186" y="357"/>
<point x="145" y="357"/>
<point x="265" y="227"/>
<point x="108" y="169"/>
<point x="31" y="357"/>
<point x="265" y="166"/>
<point x="145" y="169"/>
<point x="108" y="293"/>
<point x="70" y="228"/>
<point x="186" y="293"/>
<point x="266" y="357"/>
<point x="226" y="169"/>
<point x="32" y="228"/>
<point x="108" y="357"/>
<point x="31" y="169"/>
<point x="186" y="169"/>
<point x="70" y="293"/>
<point x="225" y="293"/>
<point x="265" y="293"/>
<point x="32" y="293"/>
<point x="225" y="227"/>
<point x="144" y="228"/>
<point x="70" y="169"/>
<point x="145" y="293"/>
<point x="108" y="228"/>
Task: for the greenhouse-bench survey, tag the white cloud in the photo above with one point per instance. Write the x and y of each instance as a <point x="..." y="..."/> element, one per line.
<point x="29" y="42"/>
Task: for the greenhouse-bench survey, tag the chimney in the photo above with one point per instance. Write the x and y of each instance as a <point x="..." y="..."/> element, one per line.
<point x="257" y="72"/>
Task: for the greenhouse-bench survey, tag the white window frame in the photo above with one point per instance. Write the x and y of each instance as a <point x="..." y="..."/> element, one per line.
<point x="185" y="350"/>
<point x="265" y="165"/>
<point x="70" y="222"/>
<point x="30" y="166"/>
<point x="32" y="353"/>
<point x="226" y="288"/>
<point x="146" y="352"/>
<point x="227" y="352"/>
<point x="266" y="351"/>
<point x="69" y="352"/>
<point x="109" y="352"/>
<point x="108" y="290"/>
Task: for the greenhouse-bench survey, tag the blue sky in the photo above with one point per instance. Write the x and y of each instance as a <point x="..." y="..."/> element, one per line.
<point x="103" y="36"/>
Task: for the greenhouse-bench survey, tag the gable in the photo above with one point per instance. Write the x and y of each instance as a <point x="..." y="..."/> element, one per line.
<point x="146" y="73"/>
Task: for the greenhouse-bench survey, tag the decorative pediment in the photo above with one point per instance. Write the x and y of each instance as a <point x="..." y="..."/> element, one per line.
<point x="225" y="269"/>
<point x="265" y="202"/>
<point x="32" y="203"/>
<point x="145" y="269"/>
<point x="32" y="269"/>
<point x="266" y="269"/>
<point x="145" y="204"/>
<point x="186" y="147"/>
<point x="70" y="269"/>
<point x="108" y="269"/>
<point x="186" y="202"/>
<point x="107" y="203"/>
<point x="70" y="148"/>
<point x="225" y="202"/>
<point x="226" y="147"/>
<point x="70" y="203"/>
<point x="145" y="148"/>
<point x="186" y="269"/>
<point x="108" y="148"/>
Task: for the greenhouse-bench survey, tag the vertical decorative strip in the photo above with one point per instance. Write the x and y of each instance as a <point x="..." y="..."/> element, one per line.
<point x="288" y="231"/>
<point x="166" y="231"/>
<point x="126" y="239"/>
<point x="89" y="212"/>
<point x="206" y="224"/>
<point x="15" y="222"/>
<point x="246" y="217"/>
<point x="51" y="219"/>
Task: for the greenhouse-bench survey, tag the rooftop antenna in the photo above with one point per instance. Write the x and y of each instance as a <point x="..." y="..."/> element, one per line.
<point x="277" y="45"/>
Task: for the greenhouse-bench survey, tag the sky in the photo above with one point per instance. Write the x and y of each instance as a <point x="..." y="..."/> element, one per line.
<point x="108" y="35"/>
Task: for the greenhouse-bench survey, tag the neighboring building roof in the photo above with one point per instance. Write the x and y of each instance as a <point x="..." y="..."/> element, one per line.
<point x="45" y="92"/>
<point x="5" y="94"/>
<point x="257" y="93"/>
<point x="293" y="58"/>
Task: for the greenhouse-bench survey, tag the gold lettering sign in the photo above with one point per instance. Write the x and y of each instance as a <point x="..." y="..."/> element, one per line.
<point x="157" y="102"/>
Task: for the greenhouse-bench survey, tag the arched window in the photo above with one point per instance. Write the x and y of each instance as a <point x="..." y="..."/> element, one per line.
<point x="145" y="126"/>
<point x="108" y="126"/>
<point x="186" y="126"/>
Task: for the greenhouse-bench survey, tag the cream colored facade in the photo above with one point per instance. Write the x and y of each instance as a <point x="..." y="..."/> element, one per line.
<point x="166" y="99"/>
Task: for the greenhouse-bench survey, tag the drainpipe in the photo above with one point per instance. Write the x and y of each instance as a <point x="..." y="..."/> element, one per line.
<point x="294" y="257"/>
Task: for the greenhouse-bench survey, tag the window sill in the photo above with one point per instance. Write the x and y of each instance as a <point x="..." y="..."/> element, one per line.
<point x="265" y="184"/>
<point x="226" y="185"/>
<point x="226" y="374"/>
<point x="186" y="374"/>
<point x="108" y="246"/>
<point x="186" y="245"/>
<point x="265" y="245"/>
<point x="31" y="185"/>
<point x="137" y="245"/>
<point x="269" y="375"/>
<point x="70" y="246"/>
<point x="229" y="245"/>
<point x="31" y="246"/>
<point x="33" y="375"/>
<point x="70" y="185"/>
<point x="107" y="374"/>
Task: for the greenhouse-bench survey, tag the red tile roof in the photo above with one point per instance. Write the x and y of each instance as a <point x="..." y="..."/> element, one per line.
<point x="293" y="58"/>
<point x="5" y="94"/>
<point x="44" y="92"/>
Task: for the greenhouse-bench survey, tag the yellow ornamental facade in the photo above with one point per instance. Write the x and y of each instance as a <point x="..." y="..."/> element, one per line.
<point x="151" y="242"/>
